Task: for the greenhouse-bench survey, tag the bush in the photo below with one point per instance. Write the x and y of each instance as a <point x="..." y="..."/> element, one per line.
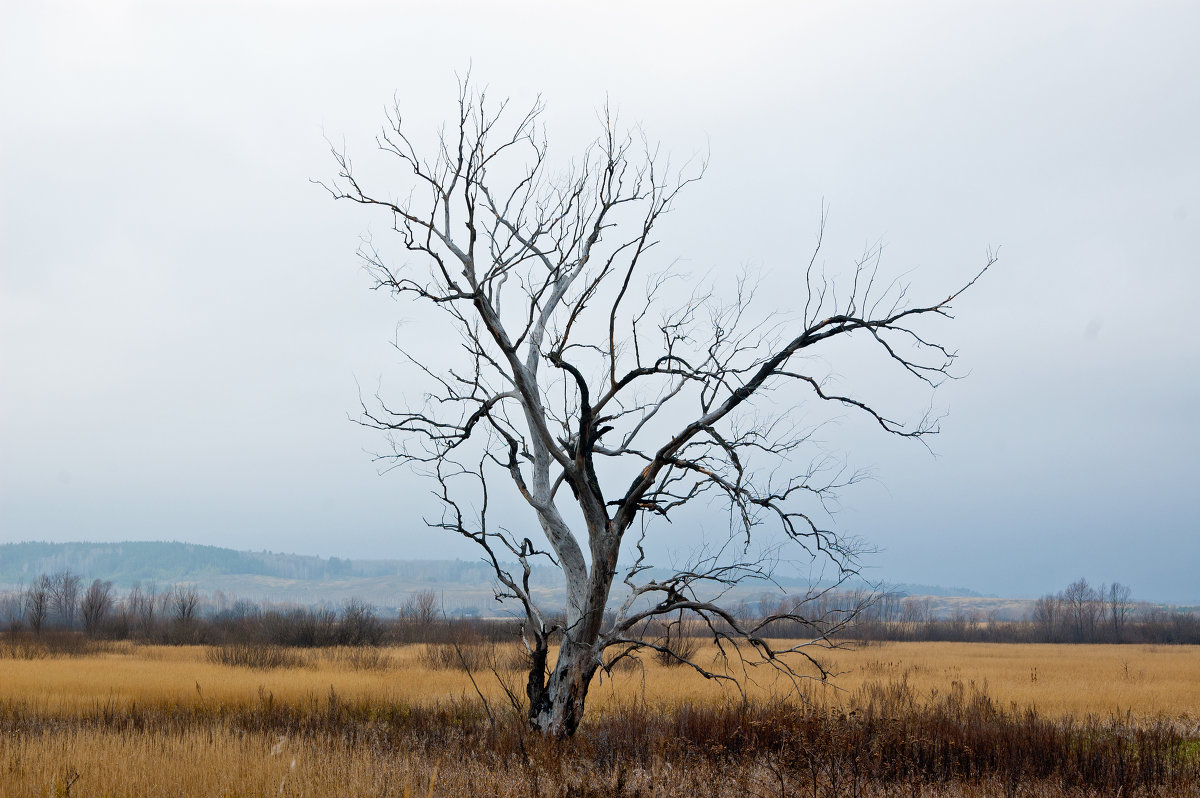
<point x="360" y="658"/>
<point x="360" y="625"/>
<point x="250" y="655"/>
<point x="676" y="647"/>
<point x="475" y="655"/>
<point x="19" y="644"/>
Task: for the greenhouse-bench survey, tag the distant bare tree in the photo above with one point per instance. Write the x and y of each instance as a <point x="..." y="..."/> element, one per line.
<point x="604" y="406"/>
<point x="1047" y="616"/>
<point x="37" y="603"/>
<point x="143" y="608"/>
<point x="1082" y="603"/>
<point x="915" y="611"/>
<point x="185" y="599"/>
<point x="12" y="607"/>
<point x="96" y="604"/>
<point x="1119" y="604"/>
<point x="422" y="607"/>
<point x="64" y="597"/>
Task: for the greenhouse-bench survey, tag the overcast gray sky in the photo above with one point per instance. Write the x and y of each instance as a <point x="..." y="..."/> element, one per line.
<point x="182" y="320"/>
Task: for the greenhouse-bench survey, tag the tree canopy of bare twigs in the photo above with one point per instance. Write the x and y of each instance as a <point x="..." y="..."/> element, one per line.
<point x="582" y="386"/>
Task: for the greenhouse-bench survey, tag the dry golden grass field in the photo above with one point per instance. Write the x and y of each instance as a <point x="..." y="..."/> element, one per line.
<point x="1056" y="679"/>
<point x="161" y="720"/>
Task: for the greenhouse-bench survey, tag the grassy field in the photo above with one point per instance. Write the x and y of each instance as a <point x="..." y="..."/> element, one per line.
<point x="905" y="718"/>
<point x="1057" y="680"/>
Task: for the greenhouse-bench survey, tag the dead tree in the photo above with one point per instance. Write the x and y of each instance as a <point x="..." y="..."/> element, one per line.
<point x="604" y="404"/>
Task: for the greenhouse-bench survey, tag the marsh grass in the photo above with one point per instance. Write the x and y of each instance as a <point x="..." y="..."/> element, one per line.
<point x="257" y="656"/>
<point x="888" y="740"/>
<point x="475" y="656"/>
<point x="951" y="720"/>
<point x="1071" y="680"/>
<point x="359" y="658"/>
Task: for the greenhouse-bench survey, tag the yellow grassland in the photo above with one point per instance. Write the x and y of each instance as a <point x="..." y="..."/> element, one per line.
<point x="1058" y="680"/>
<point x="206" y="762"/>
<point x="225" y="764"/>
<point x="203" y="755"/>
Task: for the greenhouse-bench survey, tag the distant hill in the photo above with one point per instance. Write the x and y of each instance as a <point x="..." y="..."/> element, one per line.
<point x="125" y="563"/>
<point x="259" y="575"/>
<point x="129" y="562"/>
<point x="462" y="585"/>
<point x="908" y="589"/>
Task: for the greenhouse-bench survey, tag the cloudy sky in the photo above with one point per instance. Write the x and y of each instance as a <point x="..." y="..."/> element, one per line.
<point x="183" y="325"/>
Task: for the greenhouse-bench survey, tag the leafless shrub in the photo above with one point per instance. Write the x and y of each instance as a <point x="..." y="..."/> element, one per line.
<point x="454" y="656"/>
<point x="512" y="657"/>
<point x="360" y="658"/>
<point x="260" y="657"/>
<point x="360" y="626"/>
<point x="676" y="647"/>
<point x="471" y="652"/>
<point x="617" y="662"/>
<point x="49" y="644"/>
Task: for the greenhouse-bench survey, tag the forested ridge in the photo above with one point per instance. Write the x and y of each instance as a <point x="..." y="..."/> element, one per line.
<point x="137" y="561"/>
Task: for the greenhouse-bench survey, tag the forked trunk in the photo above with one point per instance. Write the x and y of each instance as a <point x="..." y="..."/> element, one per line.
<point x="556" y="705"/>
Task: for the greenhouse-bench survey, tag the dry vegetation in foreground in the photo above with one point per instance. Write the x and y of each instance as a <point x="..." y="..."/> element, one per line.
<point x="912" y="719"/>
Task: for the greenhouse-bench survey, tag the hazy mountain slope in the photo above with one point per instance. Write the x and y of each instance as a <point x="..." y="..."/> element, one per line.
<point x="263" y="575"/>
<point x="462" y="585"/>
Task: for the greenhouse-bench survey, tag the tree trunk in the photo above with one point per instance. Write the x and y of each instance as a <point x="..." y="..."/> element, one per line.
<point x="556" y="706"/>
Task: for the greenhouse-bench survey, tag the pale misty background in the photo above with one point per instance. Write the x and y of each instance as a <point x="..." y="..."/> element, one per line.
<point x="183" y="324"/>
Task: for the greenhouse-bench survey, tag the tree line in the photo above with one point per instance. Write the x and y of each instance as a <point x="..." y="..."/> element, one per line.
<point x="1080" y="613"/>
<point x="61" y="606"/>
<point x="182" y="614"/>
